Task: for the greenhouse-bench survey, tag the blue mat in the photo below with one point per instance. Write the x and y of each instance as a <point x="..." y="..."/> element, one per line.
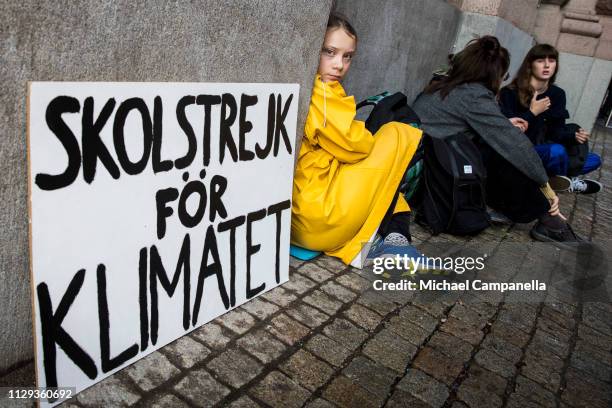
<point x="302" y="253"/>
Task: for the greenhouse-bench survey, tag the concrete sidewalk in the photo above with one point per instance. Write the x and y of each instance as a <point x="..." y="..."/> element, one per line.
<point x="327" y="339"/>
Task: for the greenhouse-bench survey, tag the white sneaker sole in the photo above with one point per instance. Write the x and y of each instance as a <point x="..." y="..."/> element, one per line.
<point x="560" y="183"/>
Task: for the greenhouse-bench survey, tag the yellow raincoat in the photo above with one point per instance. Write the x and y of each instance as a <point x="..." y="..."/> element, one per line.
<point x="346" y="179"/>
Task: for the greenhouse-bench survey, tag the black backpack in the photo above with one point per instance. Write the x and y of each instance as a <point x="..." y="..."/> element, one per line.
<point x="576" y="152"/>
<point x="394" y="108"/>
<point x="389" y="108"/>
<point x="452" y="193"/>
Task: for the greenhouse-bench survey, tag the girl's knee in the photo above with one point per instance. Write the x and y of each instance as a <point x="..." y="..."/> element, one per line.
<point x="558" y="151"/>
<point x="592" y="163"/>
<point x="594" y="160"/>
<point x="397" y="135"/>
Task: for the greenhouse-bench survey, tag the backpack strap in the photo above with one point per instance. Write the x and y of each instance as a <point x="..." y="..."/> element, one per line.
<point x="373" y="100"/>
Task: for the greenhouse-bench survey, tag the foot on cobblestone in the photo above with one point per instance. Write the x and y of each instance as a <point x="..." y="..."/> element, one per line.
<point x="564" y="235"/>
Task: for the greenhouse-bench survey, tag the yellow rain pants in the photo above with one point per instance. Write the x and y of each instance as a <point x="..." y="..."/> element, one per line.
<point x="345" y="178"/>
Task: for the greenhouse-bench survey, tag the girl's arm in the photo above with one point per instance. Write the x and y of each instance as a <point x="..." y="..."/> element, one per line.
<point x="511" y="107"/>
<point x="482" y="114"/>
<point x="331" y="125"/>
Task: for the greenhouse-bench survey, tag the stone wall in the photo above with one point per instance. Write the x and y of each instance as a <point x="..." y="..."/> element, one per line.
<point x="585" y="81"/>
<point x="548" y="24"/>
<point x="604" y="48"/>
<point x="511" y="21"/>
<point x="203" y="41"/>
<point x="486" y="7"/>
<point x="604" y="7"/>
<point x="521" y="13"/>
<point x="514" y="39"/>
<point x="584" y="40"/>
<point x="401" y="42"/>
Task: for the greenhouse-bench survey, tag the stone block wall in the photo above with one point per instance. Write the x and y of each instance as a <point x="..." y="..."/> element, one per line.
<point x="514" y="39"/>
<point x="585" y="81"/>
<point x="518" y="12"/>
<point x="521" y="13"/>
<point x="584" y="39"/>
<point x="604" y="48"/>
<point x="401" y="42"/>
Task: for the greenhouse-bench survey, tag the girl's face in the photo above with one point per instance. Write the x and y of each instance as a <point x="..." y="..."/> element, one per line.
<point x="543" y="69"/>
<point x="336" y="55"/>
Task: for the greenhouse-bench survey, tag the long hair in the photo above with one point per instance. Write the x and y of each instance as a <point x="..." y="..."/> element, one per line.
<point x="483" y="60"/>
<point x="338" y="20"/>
<point x="523" y="77"/>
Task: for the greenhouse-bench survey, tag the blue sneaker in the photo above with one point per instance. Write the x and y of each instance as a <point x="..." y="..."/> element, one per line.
<point x="396" y="245"/>
<point x="392" y="244"/>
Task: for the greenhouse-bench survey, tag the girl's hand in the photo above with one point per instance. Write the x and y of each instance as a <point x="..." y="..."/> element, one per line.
<point x="582" y="136"/>
<point x="539" y="106"/>
<point x="554" y="208"/>
<point x="520" y="123"/>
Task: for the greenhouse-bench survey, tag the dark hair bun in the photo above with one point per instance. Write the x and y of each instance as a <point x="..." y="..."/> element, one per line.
<point x="489" y="43"/>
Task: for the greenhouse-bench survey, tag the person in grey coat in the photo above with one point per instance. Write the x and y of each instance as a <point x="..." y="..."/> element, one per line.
<point x="464" y="100"/>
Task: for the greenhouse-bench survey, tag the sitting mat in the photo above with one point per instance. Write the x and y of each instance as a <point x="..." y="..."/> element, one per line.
<point x="302" y="253"/>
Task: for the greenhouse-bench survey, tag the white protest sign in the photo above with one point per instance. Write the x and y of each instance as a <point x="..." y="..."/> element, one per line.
<point x="154" y="208"/>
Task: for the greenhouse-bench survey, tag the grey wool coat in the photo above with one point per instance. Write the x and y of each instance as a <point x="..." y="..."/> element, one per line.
<point x="473" y="108"/>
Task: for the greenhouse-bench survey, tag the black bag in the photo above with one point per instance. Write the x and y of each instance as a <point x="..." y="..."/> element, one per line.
<point x="577" y="155"/>
<point x="452" y="193"/>
<point x="389" y="108"/>
<point x="576" y="152"/>
<point x="394" y="108"/>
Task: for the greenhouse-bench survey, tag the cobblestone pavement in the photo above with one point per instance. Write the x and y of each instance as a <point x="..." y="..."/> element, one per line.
<point x="326" y="338"/>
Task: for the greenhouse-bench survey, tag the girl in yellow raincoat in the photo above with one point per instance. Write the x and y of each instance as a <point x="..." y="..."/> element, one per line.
<point x="346" y="179"/>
